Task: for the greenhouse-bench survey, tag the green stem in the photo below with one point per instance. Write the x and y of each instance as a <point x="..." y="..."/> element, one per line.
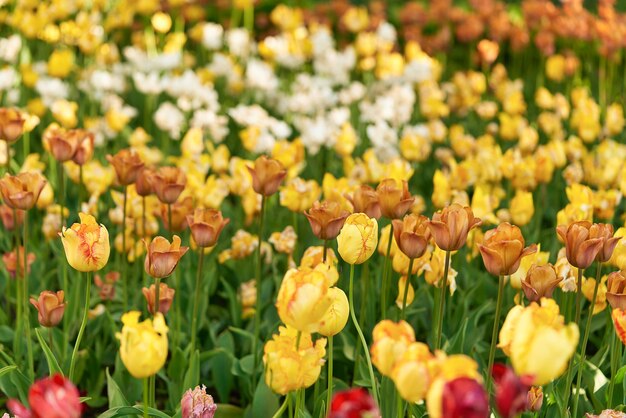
<point x="570" y="368"/>
<point x="146" y="397"/>
<point x="123" y="259"/>
<point x="579" y="295"/>
<point x="19" y="297"/>
<point x="399" y="405"/>
<point x="257" y="277"/>
<point x="615" y="358"/>
<point x="361" y="336"/>
<point x="494" y="333"/>
<point x="442" y="300"/>
<point x="29" y="343"/>
<point x="385" y="286"/>
<point x="282" y="408"/>
<point x="406" y="289"/>
<point x="583" y="348"/>
<point x="83" y="324"/>
<point x="196" y="300"/>
<point x="329" y="393"/>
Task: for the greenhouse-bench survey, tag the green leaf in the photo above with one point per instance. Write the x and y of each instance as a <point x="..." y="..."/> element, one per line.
<point x="221" y="364"/>
<point x="53" y="364"/>
<point x="131" y="410"/>
<point x="265" y="402"/>
<point x="228" y="411"/>
<point x="116" y="397"/>
<point x="7" y="369"/>
<point x="6" y="334"/>
<point x="192" y="377"/>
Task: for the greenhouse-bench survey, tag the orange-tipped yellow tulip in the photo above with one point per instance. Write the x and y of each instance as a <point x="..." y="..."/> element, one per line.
<point x="86" y="244"/>
<point x="358" y="238"/>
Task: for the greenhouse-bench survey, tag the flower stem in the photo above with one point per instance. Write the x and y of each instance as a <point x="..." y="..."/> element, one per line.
<point x="329" y="393"/>
<point x="494" y="333"/>
<point x="257" y="277"/>
<point x="583" y="348"/>
<point x="615" y="358"/>
<point x="146" y="393"/>
<point x="196" y="300"/>
<point x="282" y="408"/>
<point x="29" y="343"/>
<point x="83" y="324"/>
<point x="570" y="368"/>
<point x="19" y="298"/>
<point x="361" y="336"/>
<point x="123" y="255"/>
<point x="442" y="300"/>
<point x="406" y="288"/>
<point x="385" y="286"/>
<point x="579" y="295"/>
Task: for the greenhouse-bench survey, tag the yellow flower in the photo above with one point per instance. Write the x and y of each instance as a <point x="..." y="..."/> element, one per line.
<point x="161" y="22"/>
<point x="86" y="244"/>
<point x="143" y="345"/>
<point x="358" y="238"/>
<point x="298" y="195"/>
<point x="65" y="113"/>
<point x="618" y="259"/>
<point x="390" y="341"/>
<point x="614" y="119"/>
<point x="522" y="208"/>
<point x="336" y="316"/>
<point x="538" y="258"/>
<point x="600" y="301"/>
<point x="356" y="19"/>
<point x="60" y="63"/>
<point x="346" y="140"/>
<point x="412" y="374"/>
<point x="538" y="341"/>
<point x="288" y="368"/>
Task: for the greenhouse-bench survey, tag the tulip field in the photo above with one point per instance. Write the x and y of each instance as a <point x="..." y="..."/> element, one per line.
<point x="312" y="209"/>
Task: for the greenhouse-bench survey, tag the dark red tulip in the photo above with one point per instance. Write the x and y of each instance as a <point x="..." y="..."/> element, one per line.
<point x="353" y="403"/>
<point x="51" y="397"/>
<point x="464" y="398"/>
<point x="511" y="391"/>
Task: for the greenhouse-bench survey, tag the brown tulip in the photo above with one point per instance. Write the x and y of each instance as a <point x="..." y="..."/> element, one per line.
<point x="11" y="124"/>
<point x="166" y="297"/>
<point x="581" y="248"/>
<point x="365" y="200"/>
<point x="412" y="235"/>
<point x="168" y="183"/>
<point x="180" y="210"/>
<point x="107" y="285"/>
<point x="23" y="190"/>
<point x="540" y="282"/>
<point x="162" y="257"/>
<point x="450" y="226"/>
<point x="143" y="184"/>
<point x="127" y="165"/>
<point x="267" y="174"/>
<point x="616" y="290"/>
<point x="206" y="226"/>
<point x="326" y="219"/>
<point x="85" y="149"/>
<point x="8" y="218"/>
<point x="502" y="249"/>
<point x="394" y="198"/>
<point x="10" y="261"/>
<point x="61" y="144"/>
<point x="50" y="306"/>
<point x="534" y="400"/>
<point x="605" y="232"/>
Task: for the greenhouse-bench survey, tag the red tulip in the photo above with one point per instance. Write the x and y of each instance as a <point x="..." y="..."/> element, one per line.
<point x="511" y="390"/>
<point x="353" y="403"/>
<point x="51" y="397"/>
<point x="464" y="397"/>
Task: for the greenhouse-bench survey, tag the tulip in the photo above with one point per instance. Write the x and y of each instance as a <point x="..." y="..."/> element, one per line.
<point x="50" y="307"/>
<point x="365" y="200"/>
<point x="143" y="345"/>
<point x="11" y="124"/>
<point x="394" y="198"/>
<point x="503" y="248"/>
<point x="162" y="257"/>
<point x="197" y="404"/>
<point x="616" y="290"/>
<point x="609" y="242"/>
<point x="390" y="341"/>
<point x="540" y="282"/>
<point x="175" y="216"/>
<point x="355" y="402"/>
<point x="335" y="318"/>
<point x="15" y="267"/>
<point x="511" y="391"/>
<point x="86" y="244"/>
<point x="412" y="373"/>
<point x="166" y="296"/>
<point x="326" y="219"/>
<point x="464" y="397"/>
<point x="267" y="174"/>
<point x="534" y="399"/>
<point x="107" y="285"/>
<point x="50" y="397"/>
<point x="206" y="226"/>
<point x="85" y="149"/>
<point x="9" y="217"/>
<point x="127" y="165"/>
<point x="358" y="238"/>
<point x="450" y="226"/>
<point x="143" y="183"/>
<point x="412" y="235"/>
<point x="619" y="322"/>
<point x="581" y="246"/>
<point x="61" y="144"/>
<point x="168" y="184"/>
<point x="22" y="191"/>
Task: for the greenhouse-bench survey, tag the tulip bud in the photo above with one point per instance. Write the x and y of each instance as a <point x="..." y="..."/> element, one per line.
<point x="11" y="124"/>
<point x="394" y="198"/>
<point x="609" y="242"/>
<point x="534" y="399"/>
<point x="365" y="200"/>
<point x="197" y="404"/>
<point x="168" y="183"/>
<point x="15" y="265"/>
<point x="503" y="248"/>
<point x="464" y="397"/>
<point x="355" y="402"/>
<point x="206" y="226"/>
<point x="358" y="238"/>
<point x="166" y="296"/>
<point x="162" y="257"/>
<point x="616" y="290"/>
<point x="511" y="391"/>
<point x="450" y="226"/>
<point x="180" y="211"/>
<point x="127" y="165"/>
<point x="50" y="306"/>
<point x="10" y="216"/>
<point x="390" y="341"/>
<point x="143" y="345"/>
<point x="86" y="244"/>
<point x="326" y="219"/>
<point x="22" y="191"/>
<point x="581" y="248"/>
<point x="412" y="235"/>
<point x="50" y="397"/>
<point x="267" y="174"/>
<point x="62" y="146"/>
<point x="107" y="286"/>
<point x="488" y="51"/>
<point x="247" y="297"/>
<point x="85" y="149"/>
<point x="143" y="184"/>
<point x="336" y="316"/>
<point x="411" y="373"/>
<point x="540" y="282"/>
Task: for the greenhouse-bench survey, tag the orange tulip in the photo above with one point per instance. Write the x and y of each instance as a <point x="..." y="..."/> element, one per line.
<point x="50" y="307"/>
<point x="581" y="247"/>
<point x="326" y="219"/>
<point x="206" y="226"/>
<point x="143" y="183"/>
<point x="84" y="151"/>
<point x="609" y="242"/>
<point x="616" y="290"/>
<point x="166" y="297"/>
<point x="168" y="183"/>
<point x="365" y="200"/>
<point x="61" y="144"/>
<point x="162" y="257"/>
<point x="394" y="198"/>
<point x="127" y="165"/>
<point x="12" y="265"/>
<point x="503" y="248"/>
<point x="450" y="226"/>
<point x="11" y="124"/>
<point x="267" y="174"/>
<point x="23" y="190"/>
<point x="8" y="218"/>
<point x="180" y="211"/>
<point x="412" y="235"/>
<point x="540" y="282"/>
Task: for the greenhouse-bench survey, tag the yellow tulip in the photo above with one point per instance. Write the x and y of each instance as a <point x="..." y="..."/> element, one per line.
<point x="143" y="345"/>
<point x="336" y="316"/>
<point x="358" y="238"/>
<point x="86" y="244"/>
<point x="391" y="340"/>
<point x="522" y="208"/>
<point x="411" y="374"/>
<point x="60" y="63"/>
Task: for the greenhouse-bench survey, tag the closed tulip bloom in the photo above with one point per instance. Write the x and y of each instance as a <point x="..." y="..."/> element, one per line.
<point x="22" y="190"/>
<point x="450" y="226"/>
<point x="15" y="266"/>
<point x="616" y="290"/>
<point x="143" y="183"/>
<point x="609" y="242"/>
<point x="581" y="248"/>
<point x="86" y="244"/>
<point x="206" y="226"/>
<point x="50" y="307"/>
<point x="412" y="235"/>
<point x="50" y="397"/>
<point x="62" y="146"/>
<point x="619" y="322"/>
<point x="84" y="151"/>
<point x="502" y="249"/>
<point x="162" y="257"/>
<point x="168" y="183"/>
<point x="181" y="210"/>
<point x="390" y="341"/>
<point x="336" y="316"/>
<point x="540" y="282"/>
<point x="522" y="208"/>
<point x="511" y="391"/>
<point x="143" y="345"/>
<point x="127" y="165"/>
<point x="365" y="200"/>
<point x="197" y="403"/>
<point x="355" y="402"/>
<point x="11" y="124"/>
<point x="464" y="397"/>
<point x="166" y="297"/>
<point x="534" y="399"/>
<point x="358" y="238"/>
<point x="267" y="174"/>
<point x="314" y="256"/>
<point x="9" y="217"/>
<point x="412" y="372"/>
<point x="394" y="198"/>
<point x="326" y="219"/>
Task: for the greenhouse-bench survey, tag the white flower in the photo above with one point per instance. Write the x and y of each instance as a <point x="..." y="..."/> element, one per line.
<point x="170" y="119"/>
<point x="148" y="83"/>
<point x="419" y="69"/>
<point x="384" y="139"/>
<point x="146" y="63"/>
<point x="354" y="92"/>
<point x="51" y="89"/>
<point x="386" y="32"/>
<point x="8" y="78"/>
<point x="207" y="120"/>
<point x="259" y="75"/>
<point x="212" y="34"/>
<point x="9" y="48"/>
<point x="238" y="41"/>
